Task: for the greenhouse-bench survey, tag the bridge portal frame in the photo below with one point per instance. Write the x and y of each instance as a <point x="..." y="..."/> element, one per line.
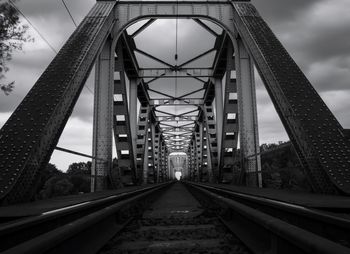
<point x="221" y="13"/>
<point x="29" y="137"/>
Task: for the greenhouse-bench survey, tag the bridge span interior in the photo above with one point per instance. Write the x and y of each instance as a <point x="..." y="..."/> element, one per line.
<point x="167" y="97"/>
<point x="176" y="100"/>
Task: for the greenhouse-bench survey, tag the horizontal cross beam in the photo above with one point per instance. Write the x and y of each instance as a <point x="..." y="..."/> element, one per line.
<point x="176" y="102"/>
<point x="77" y="153"/>
<point x="173" y="73"/>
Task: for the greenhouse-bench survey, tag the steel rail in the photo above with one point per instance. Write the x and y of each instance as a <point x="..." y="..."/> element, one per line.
<point x="324" y="225"/>
<point x="38" y="234"/>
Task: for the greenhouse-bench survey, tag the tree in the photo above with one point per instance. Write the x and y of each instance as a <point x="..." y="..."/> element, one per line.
<point x="79" y="168"/>
<point x="57" y="186"/>
<point x="81" y="183"/>
<point x="281" y="168"/>
<point x="12" y="37"/>
<point x="48" y="172"/>
<point x="79" y="174"/>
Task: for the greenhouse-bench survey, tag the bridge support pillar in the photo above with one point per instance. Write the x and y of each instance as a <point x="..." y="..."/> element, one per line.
<point x="209" y="161"/>
<point x="170" y="170"/>
<point x="103" y="118"/>
<point x="248" y="123"/>
<point x="199" y="151"/>
<point x="219" y="108"/>
<point x="155" y="149"/>
<point x="133" y="113"/>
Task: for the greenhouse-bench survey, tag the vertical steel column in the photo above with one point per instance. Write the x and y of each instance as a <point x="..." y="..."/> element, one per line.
<point x="150" y="156"/>
<point x="188" y="173"/>
<point x="212" y="147"/>
<point x="166" y="155"/>
<point x="147" y="169"/>
<point x="162" y="161"/>
<point x="209" y="159"/>
<point x="133" y="112"/>
<point x="193" y="160"/>
<point x="248" y="123"/>
<point x="219" y="108"/>
<point x="156" y="145"/>
<point x="103" y="115"/>
<point x="160" y="173"/>
<point x="199" y="151"/>
<point x="121" y="126"/>
<point x="142" y="145"/>
<point x="185" y="170"/>
<point x="192" y="166"/>
<point x="170" y="169"/>
<point x="205" y="167"/>
<point x="230" y="126"/>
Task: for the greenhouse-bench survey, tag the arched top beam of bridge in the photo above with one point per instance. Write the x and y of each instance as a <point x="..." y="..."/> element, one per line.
<point x="130" y="12"/>
<point x="29" y="137"/>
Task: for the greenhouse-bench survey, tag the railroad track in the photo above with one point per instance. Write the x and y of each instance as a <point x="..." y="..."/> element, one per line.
<point x="169" y="218"/>
<point x="270" y="226"/>
<point x="176" y="223"/>
<point x="334" y="226"/>
<point x="81" y="228"/>
<point x="203" y="234"/>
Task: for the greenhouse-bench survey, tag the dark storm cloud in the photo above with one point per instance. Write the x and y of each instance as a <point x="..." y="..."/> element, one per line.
<point x="189" y="33"/>
<point x="33" y="60"/>
<point x="317" y="35"/>
<point x="53" y="22"/>
<point x="321" y="46"/>
<point x="50" y="8"/>
<point x="282" y="10"/>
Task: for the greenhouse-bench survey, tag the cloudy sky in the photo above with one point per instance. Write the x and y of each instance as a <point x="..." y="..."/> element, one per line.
<point x="315" y="32"/>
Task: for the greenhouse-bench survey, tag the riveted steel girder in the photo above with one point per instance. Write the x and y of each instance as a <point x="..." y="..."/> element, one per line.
<point x="122" y="124"/>
<point x="230" y="121"/>
<point x="156" y="153"/>
<point x="103" y="118"/>
<point x="206" y="173"/>
<point x="142" y="144"/>
<point x="163" y="170"/>
<point x="29" y="137"/>
<point x="248" y="120"/>
<point x="199" y="150"/>
<point x="311" y="126"/>
<point x="210" y="126"/>
<point x="148" y="160"/>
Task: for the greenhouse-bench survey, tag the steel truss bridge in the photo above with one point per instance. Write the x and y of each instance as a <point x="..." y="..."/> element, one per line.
<point x="223" y="108"/>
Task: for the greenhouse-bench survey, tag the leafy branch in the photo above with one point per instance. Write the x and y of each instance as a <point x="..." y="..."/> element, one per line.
<point x="12" y="37"/>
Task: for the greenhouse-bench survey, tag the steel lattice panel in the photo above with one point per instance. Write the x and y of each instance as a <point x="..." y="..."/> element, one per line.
<point x="230" y="124"/>
<point x="316" y="134"/>
<point x="142" y="143"/>
<point x="29" y="137"/>
<point x="205" y="174"/>
<point x="199" y="150"/>
<point x="121" y="127"/>
<point x="151" y="177"/>
<point x="210" y="125"/>
<point x="156" y="157"/>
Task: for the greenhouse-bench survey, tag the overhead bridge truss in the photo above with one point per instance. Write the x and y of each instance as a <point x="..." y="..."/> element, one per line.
<point x="208" y="133"/>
